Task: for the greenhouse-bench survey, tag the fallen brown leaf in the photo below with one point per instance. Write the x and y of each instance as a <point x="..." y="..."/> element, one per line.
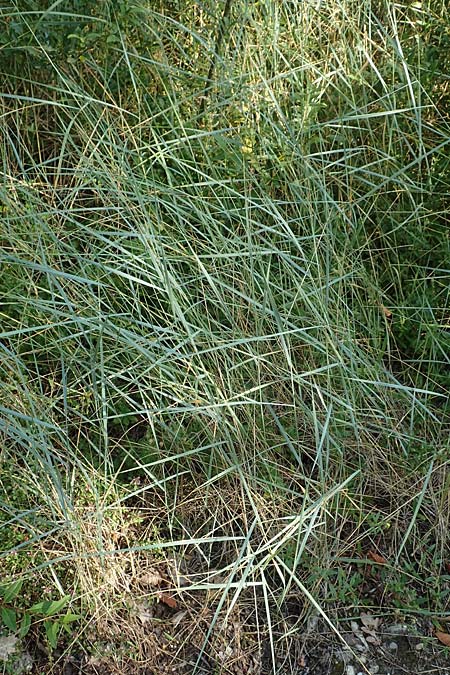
<point x="144" y="613"/>
<point x="151" y="578"/>
<point x="373" y="639"/>
<point x="178" y="617"/>
<point x="376" y="558"/>
<point x="370" y="622"/>
<point x="369" y="627"/>
<point x="167" y="600"/>
<point x="443" y="637"/>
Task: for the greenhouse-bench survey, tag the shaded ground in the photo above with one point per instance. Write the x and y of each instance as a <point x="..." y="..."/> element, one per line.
<point x="169" y="644"/>
<point x="403" y="650"/>
<point x="179" y="615"/>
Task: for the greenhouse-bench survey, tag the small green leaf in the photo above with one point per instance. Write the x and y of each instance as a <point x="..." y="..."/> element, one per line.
<point x="9" y="618"/>
<point x="49" y="607"/>
<point x="24" y="625"/>
<point x="12" y="590"/>
<point x="68" y="618"/>
<point x="38" y="608"/>
<point x="52" y="632"/>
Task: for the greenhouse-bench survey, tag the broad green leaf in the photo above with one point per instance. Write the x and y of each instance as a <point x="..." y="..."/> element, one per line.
<point x="12" y="590"/>
<point x="49" y="607"/>
<point x="24" y="625"/>
<point x="38" y="608"/>
<point x="9" y="618"/>
<point x="52" y="632"/>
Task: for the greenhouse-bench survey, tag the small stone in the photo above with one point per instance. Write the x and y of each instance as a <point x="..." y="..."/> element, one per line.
<point x="312" y="624"/>
<point x="24" y="664"/>
<point x="397" y="629"/>
<point x="419" y="646"/>
<point x="350" y="670"/>
<point x="361" y="648"/>
<point x="355" y="626"/>
<point x="393" y="646"/>
<point x="363" y="640"/>
<point x="345" y="655"/>
<point x="7" y="646"/>
<point x="374" y="668"/>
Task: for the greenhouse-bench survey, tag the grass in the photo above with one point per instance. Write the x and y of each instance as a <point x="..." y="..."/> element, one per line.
<point x="224" y="345"/>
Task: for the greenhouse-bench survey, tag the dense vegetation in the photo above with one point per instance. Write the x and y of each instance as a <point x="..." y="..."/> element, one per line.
<point x="224" y="309"/>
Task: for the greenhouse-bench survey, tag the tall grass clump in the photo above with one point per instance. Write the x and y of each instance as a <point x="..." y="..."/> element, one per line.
<point x="224" y="312"/>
